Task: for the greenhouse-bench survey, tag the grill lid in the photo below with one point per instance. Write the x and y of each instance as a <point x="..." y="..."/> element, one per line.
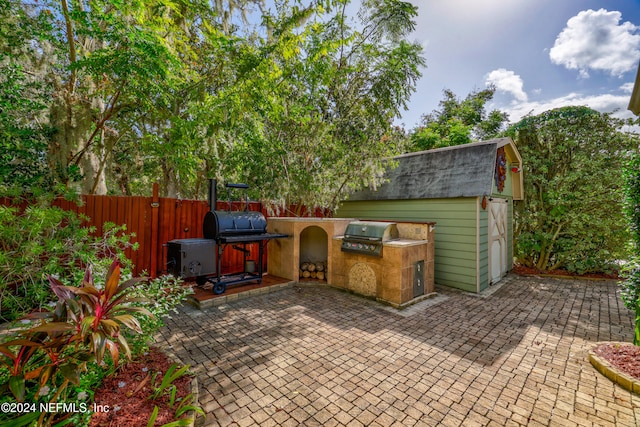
<point x="371" y="231"/>
<point x="366" y="237"/>
<point x="218" y="224"/>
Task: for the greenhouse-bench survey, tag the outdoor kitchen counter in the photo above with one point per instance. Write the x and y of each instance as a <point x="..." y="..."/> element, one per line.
<point x="401" y="274"/>
<point x="405" y="242"/>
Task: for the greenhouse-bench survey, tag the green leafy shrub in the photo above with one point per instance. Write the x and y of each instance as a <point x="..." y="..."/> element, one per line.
<point x="630" y="292"/>
<point x="571" y="216"/>
<point x="160" y="296"/>
<point x="632" y="205"/>
<point x="630" y="287"/>
<point x="86" y="323"/>
<point x="46" y="240"/>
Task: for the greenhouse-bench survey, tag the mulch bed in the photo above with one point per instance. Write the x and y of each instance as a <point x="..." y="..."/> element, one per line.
<point x="127" y="397"/>
<point x="625" y="357"/>
<point x="529" y="271"/>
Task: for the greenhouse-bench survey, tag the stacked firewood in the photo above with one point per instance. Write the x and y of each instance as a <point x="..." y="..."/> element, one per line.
<point x="314" y="270"/>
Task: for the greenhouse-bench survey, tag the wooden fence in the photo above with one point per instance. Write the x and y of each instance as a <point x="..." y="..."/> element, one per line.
<point x="157" y="220"/>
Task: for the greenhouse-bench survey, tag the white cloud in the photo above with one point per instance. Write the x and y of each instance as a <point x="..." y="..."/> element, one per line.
<point x="594" y="40"/>
<point x="507" y="81"/>
<point x="627" y="87"/>
<point x="605" y="103"/>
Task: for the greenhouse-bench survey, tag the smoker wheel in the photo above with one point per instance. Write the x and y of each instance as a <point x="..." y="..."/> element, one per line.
<point x="219" y="288"/>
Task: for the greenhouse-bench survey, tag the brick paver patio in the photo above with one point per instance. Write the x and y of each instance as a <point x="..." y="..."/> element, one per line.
<point x="316" y="356"/>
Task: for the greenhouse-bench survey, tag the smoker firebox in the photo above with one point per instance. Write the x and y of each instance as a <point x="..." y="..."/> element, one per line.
<point x="201" y="258"/>
<point x="189" y="258"/>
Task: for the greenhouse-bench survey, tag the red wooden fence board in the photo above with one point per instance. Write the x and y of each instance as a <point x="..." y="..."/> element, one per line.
<point x="155" y="226"/>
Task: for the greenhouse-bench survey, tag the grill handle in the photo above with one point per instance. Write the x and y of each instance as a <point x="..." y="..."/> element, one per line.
<point x="242" y="187"/>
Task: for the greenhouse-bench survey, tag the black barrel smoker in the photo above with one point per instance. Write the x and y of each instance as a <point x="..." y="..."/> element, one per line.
<point x="202" y="258"/>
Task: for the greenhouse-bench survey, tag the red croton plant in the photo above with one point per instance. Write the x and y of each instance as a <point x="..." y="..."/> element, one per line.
<point x="86" y="322"/>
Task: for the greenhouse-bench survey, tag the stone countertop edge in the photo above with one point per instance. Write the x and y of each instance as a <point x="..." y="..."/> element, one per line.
<point x="624" y="380"/>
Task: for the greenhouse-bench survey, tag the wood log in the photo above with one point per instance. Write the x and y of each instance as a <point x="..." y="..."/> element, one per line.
<point x="311" y="267"/>
<point x="319" y="266"/>
<point x="304" y="266"/>
<point x="321" y="275"/>
<point x="314" y="275"/>
<point x="306" y="274"/>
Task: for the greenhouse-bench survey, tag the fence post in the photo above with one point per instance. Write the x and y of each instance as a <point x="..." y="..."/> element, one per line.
<point x="155" y="205"/>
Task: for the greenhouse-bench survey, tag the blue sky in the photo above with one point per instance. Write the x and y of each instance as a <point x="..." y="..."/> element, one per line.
<point x="540" y="54"/>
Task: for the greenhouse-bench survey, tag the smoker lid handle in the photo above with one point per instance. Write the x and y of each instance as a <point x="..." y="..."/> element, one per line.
<point x="231" y="185"/>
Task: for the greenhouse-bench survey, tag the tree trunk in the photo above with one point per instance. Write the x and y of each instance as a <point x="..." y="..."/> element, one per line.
<point x="74" y="121"/>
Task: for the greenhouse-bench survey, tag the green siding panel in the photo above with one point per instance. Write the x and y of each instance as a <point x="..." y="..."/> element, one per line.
<point x="483" y="250"/>
<point x="455" y="233"/>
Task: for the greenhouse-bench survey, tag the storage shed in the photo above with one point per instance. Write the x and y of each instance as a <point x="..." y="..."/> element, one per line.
<point x="468" y="190"/>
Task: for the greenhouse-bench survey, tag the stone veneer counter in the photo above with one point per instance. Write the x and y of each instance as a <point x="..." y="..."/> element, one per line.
<point x="284" y="255"/>
<point x="389" y="278"/>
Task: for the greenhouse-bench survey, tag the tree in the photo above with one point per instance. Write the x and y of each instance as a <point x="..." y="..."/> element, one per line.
<point x="176" y="92"/>
<point x="572" y="215"/>
<point x="24" y="130"/>
<point x="100" y="61"/>
<point x="630" y="287"/>
<point x="317" y="99"/>
<point x="458" y="121"/>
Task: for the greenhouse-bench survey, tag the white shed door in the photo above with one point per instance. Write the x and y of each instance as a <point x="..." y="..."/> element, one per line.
<point x="497" y="239"/>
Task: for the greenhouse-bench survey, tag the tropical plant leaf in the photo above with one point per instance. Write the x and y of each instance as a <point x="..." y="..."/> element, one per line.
<point x="59" y="289"/>
<point x="17" y="387"/>
<point x="88" y="278"/>
<point x="52" y="327"/>
<point x="99" y="342"/>
<point x="24" y="420"/>
<point x="112" y="281"/>
<point x="44" y="372"/>
<point x="71" y="372"/>
<point x="152" y="418"/>
<point x="129" y="283"/>
<point x="109" y="326"/>
<point x="129" y="321"/>
<point x="124" y="345"/>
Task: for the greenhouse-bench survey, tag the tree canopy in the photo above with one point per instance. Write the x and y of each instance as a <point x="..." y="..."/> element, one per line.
<point x="572" y="215"/>
<point x="458" y="121"/>
<point x="301" y="106"/>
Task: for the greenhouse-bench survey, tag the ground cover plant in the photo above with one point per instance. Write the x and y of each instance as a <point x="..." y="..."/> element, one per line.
<point x="67" y="351"/>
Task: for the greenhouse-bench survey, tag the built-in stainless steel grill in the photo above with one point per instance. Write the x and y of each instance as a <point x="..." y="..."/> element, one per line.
<point x="367" y="237"/>
<point x="191" y="257"/>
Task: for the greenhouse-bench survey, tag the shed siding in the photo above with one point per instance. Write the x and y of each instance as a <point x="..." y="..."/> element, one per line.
<point x="483" y="249"/>
<point x="456" y="250"/>
<point x="510" y="235"/>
